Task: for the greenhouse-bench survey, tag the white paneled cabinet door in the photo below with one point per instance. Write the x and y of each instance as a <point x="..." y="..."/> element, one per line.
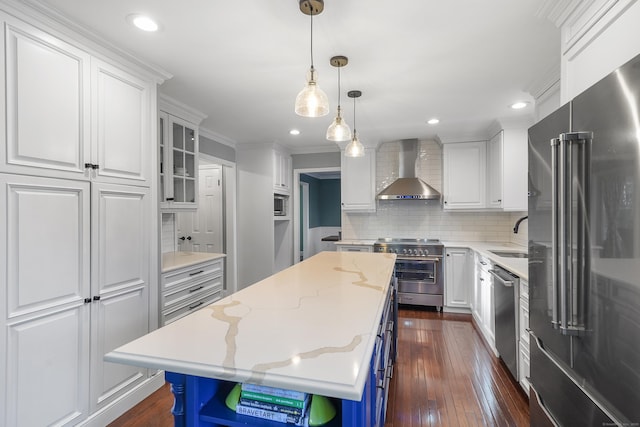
<point x="464" y="166"/>
<point x="47" y="104"/>
<point x="120" y="126"/>
<point x="120" y="284"/>
<point x="44" y="284"/>
<point x="358" y="182"/>
<point x="495" y="163"/>
<point x="457" y="277"/>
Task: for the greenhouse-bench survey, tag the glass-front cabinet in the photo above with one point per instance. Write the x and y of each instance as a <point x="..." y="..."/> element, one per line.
<point x="178" y="163"/>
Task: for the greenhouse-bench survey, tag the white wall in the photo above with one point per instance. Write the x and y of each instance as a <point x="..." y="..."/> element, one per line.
<point x="255" y="214"/>
<point x="413" y="218"/>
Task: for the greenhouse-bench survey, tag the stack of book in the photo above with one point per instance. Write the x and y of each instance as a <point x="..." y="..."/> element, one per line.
<point x="275" y="404"/>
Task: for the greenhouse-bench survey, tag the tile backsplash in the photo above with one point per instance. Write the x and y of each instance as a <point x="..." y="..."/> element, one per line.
<point x="415" y="218"/>
<point x="169" y="233"/>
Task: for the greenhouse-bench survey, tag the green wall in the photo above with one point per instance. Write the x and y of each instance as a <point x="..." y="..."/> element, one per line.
<point x="324" y="201"/>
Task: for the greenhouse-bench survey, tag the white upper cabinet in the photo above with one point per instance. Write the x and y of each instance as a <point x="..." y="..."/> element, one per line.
<point x="464" y="174"/>
<point x="120" y="126"/>
<point x="494" y="170"/>
<point x="507" y="170"/>
<point x="71" y="115"/>
<point x="358" y="182"/>
<point x="47" y="103"/>
<point x="178" y="140"/>
<point x="281" y="172"/>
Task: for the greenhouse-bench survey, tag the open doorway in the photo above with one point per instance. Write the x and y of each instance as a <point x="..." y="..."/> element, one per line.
<point x="316" y="210"/>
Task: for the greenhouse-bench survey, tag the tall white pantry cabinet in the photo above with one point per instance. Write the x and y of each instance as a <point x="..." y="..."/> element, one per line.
<point x="79" y="214"/>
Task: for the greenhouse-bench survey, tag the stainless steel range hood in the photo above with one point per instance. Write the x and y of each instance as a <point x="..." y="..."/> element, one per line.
<point x="408" y="186"/>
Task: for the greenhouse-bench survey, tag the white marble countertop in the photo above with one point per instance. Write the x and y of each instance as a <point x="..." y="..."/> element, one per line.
<point x="356" y="242"/>
<point x="174" y="260"/>
<point x="518" y="266"/>
<point x="311" y="327"/>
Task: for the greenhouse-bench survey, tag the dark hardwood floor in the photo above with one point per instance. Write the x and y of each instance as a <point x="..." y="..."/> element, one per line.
<point x="444" y="376"/>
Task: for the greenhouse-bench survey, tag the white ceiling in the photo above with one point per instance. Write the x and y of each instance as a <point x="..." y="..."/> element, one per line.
<point x="242" y="63"/>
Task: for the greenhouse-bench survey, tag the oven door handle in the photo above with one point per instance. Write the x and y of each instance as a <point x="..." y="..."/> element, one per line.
<point x="411" y="258"/>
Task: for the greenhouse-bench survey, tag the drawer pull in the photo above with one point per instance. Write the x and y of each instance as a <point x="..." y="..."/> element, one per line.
<point x="195" y="273"/>
<point x="196" y="289"/>
<point x="198" y="304"/>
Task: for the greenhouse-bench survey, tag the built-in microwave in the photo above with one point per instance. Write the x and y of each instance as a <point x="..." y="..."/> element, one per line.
<point x="280" y="205"/>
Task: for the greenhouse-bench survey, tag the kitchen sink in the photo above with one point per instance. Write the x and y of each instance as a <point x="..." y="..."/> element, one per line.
<point x="507" y="254"/>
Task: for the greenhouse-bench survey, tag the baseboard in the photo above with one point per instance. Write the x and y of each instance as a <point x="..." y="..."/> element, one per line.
<point x="460" y="310"/>
<point x="118" y="407"/>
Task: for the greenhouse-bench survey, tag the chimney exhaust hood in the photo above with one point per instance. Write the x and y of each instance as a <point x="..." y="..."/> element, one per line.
<point x="408" y="186"/>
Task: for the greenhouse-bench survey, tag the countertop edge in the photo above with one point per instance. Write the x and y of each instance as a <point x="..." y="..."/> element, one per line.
<point x="199" y="257"/>
<point x="519" y="267"/>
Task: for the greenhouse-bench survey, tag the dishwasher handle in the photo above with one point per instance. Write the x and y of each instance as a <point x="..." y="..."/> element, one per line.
<point x="507" y="283"/>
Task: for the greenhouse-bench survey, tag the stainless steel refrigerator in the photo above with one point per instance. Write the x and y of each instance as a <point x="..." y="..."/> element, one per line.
<point x="584" y="257"/>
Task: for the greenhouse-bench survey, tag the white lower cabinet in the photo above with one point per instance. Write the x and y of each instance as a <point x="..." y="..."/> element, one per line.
<point x="483" y="309"/>
<point x="76" y="283"/>
<point x="187" y="289"/>
<point x="523" y="347"/>
<point x="457" y="277"/>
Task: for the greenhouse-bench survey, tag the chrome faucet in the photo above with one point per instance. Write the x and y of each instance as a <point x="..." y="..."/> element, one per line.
<point x="515" y="228"/>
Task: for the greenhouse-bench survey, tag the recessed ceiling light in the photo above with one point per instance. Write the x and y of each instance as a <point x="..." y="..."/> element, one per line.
<point x="294" y="132"/>
<point x="433" y="121"/>
<point x="143" y="22"/>
<point x="518" y="105"/>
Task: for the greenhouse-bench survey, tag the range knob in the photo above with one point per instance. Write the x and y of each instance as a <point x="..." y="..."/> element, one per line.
<point x="404" y="251"/>
<point x="410" y="251"/>
<point x="420" y="253"/>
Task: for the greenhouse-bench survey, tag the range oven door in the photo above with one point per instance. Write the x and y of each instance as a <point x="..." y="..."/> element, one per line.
<point x="419" y="275"/>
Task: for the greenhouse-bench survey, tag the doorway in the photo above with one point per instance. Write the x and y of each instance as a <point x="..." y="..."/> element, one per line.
<point x="212" y="228"/>
<point x="302" y="246"/>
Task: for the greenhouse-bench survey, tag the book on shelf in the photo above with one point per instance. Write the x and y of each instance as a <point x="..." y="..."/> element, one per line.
<point x="272" y="406"/>
<point x="272" y="415"/>
<point x="278" y="400"/>
<point x="275" y="391"/>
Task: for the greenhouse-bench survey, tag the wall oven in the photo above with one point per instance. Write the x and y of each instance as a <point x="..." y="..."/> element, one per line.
<point x="418" y="269"/>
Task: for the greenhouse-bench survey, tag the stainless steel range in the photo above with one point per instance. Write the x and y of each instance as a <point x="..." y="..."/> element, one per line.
<point x="419" y="269"/>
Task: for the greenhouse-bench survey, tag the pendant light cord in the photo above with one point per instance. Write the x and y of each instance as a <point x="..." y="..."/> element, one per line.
<point x="339" y="90"/>
<point x="311" y="15"/>
<point x="354" y="116"/>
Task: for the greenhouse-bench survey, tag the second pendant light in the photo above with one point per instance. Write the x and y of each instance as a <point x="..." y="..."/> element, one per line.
<point x="338" y="129"/>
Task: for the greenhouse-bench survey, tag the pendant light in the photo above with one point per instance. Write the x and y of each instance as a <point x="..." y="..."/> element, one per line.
<point x="312" y="101"/>
<point x="339" y="129"/>
<point x="355" y="147"/>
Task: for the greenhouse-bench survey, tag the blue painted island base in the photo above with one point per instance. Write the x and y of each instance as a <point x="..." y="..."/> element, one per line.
<point x="200" y="401"/>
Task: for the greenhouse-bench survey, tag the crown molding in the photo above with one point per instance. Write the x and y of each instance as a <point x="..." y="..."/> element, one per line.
<point x="179" y="109"/>
<point x="83" y="37"/>
<point x="545" y="81"/>
<point x="214" y="136"/>
<point x="559" y="11"/>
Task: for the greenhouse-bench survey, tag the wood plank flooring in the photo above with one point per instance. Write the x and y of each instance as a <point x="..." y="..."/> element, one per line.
<point x="444" y="376"/>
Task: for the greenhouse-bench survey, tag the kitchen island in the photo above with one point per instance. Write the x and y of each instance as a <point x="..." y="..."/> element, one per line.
<point x="324" y="326"/>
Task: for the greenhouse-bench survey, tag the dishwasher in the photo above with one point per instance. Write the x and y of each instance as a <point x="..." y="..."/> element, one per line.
<point x="505" y="294"/>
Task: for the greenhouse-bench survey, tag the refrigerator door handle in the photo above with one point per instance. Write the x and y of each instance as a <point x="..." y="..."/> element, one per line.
<point x="574" y="292"/>
<point x="555" y="238"/>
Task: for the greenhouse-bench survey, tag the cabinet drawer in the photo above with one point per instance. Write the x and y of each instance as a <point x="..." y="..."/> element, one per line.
<point x="190" y="306"/>
<point x="193" y="290"/>
<point x="184" y="277"/>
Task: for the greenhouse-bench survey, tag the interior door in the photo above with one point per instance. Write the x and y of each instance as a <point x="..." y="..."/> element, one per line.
<point x="203" y="230"/>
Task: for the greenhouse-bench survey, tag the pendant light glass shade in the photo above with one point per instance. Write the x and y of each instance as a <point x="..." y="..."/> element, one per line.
<point x="338" y="129"/>
<point x="354" y="148"/>
<point x="312" y="101"/>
